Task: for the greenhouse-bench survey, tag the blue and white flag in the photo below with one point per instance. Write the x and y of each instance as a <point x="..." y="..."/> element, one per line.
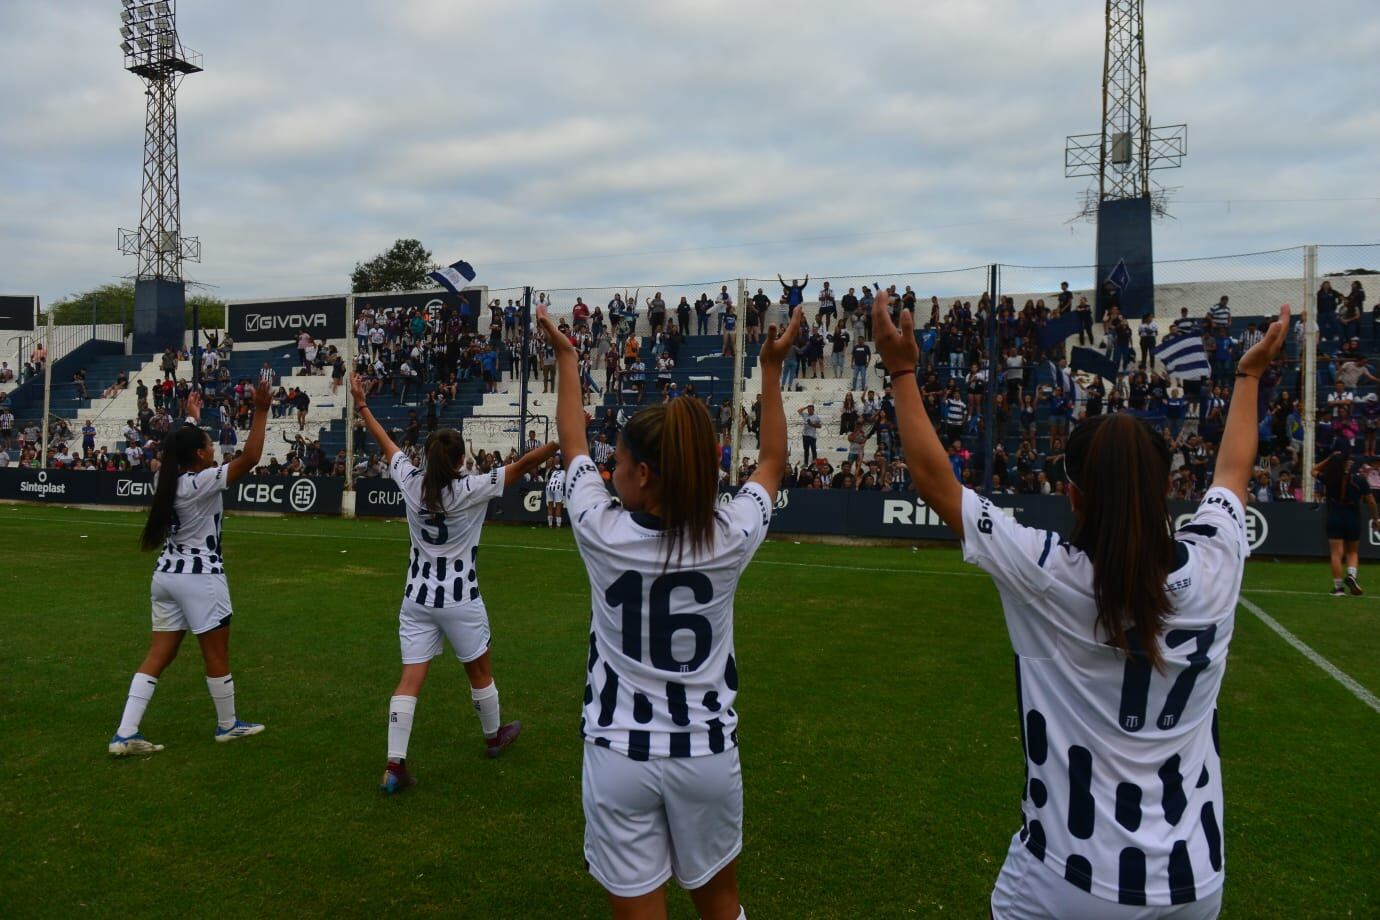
<point x="453" y="276"/>
<point x="1184" y="357"/>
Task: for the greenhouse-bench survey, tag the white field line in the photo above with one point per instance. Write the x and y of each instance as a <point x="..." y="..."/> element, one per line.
<point x="1340" y="676"/>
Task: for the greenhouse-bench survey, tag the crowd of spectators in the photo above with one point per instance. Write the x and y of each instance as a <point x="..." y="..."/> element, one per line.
<point x="420" y="358"/>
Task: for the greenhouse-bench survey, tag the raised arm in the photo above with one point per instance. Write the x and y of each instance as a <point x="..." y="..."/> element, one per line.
<point x="244" y="464"/>
<point x="570" y="413"/>
<point x="925" y="455"/>
<point x="527" y="463"/>
<point x="771" y="454"/>
<point x="372" y="424"/>
<point x="1240" y="440"/>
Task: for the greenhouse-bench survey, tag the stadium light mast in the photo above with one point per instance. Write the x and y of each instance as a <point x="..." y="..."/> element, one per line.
<point x="1121" y="157"/>
<point x="154" y="53"/>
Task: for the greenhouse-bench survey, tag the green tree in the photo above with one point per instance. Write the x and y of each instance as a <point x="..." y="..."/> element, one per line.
<point x="114" y="303"/>
<point x="403" y="267"/>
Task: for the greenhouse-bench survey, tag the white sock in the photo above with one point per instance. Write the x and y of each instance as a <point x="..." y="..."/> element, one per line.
<point x="1336" y="583"/>
<point x="558" y="521"/>
<point x="742" y="914"/>
<point x="400" y="710"/>
<point x="550" y="520"/>
<point x="223" y="695"/>
<point x="140" y="692"/>
<point x="486" y="704"/>
<point x="1351" y="570"/>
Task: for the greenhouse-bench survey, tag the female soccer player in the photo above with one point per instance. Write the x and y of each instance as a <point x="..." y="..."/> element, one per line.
<point x="663" y="789"/>
<point x="555" y="492"/>
<point x="445" y="512"/>
<point x="189" y="589"/>
<point x="1121" y="636"/>
<point x="1346" y="488"/>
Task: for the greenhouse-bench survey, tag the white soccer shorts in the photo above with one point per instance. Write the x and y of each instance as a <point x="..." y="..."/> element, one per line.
<point x="199" y="603"/>
<point x="648" y="820"/>
<point x="421" y="630"/>
<point x="554" y="496"/>
<point x="1027" y="889"/>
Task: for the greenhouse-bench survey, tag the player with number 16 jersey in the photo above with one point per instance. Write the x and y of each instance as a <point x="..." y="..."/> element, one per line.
<point x="662" y="781"/>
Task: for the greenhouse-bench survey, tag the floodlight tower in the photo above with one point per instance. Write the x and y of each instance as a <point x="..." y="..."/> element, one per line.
<point x="154" y="53"/>
<point x="1122" y="157"/>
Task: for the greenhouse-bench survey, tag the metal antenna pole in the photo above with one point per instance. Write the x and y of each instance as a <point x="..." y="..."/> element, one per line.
<point x="349" y="400"/>
<point x="989" y="398"/>
<point x="523" y="362"/>
<point x="47" y="390"/>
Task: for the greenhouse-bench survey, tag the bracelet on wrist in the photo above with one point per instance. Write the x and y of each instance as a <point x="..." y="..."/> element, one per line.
<point x="902" y="371"/>
<point x="1240" y="374"/>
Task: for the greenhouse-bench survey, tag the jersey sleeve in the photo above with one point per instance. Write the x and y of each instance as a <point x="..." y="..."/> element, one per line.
<point x="479" y="488"/>
<point x="1218" y="530"/>
<point x="583" y="489"/>
<point x="209" y="482"/>
<point x="750" y="513"/>
<point x="1013" y="554"/>
<point x="408" y="478"/>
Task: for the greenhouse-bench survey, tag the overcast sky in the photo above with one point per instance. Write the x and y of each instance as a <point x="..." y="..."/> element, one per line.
<point x="589" y="143"/>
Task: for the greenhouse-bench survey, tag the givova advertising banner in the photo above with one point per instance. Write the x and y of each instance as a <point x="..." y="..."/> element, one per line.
<point x="284" y="320"/>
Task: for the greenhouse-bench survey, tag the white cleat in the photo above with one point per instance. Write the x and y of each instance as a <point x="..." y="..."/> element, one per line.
<point x="134" y="744"/>
<point x="238" y="730"/>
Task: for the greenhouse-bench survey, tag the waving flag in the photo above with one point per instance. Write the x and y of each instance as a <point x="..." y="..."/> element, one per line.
<point x="1058" y="328"/>
<point x="1183" y="357"/>
<point x="453" y="276"/>
<point x="1092" y="361"/>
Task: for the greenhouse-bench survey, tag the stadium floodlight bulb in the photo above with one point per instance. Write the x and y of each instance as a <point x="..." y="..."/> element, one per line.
<point x="164" y="24"/>
<point x="161" y="8"/>
<point x="126" y="47"/>
<point x="145" y="43"/>
<point x="127" y="15"/>
<point x="126" y="32"/>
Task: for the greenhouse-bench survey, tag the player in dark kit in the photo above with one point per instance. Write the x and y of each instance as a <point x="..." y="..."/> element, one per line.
<point x="1345" y="485"/>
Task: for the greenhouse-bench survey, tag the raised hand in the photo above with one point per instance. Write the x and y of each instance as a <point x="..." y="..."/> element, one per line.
<point x="1263" y="352"/>
<point x="357" y="390"/>
<point x="897" y="346"/>
<point x="778" y="347"/>
<point x="554" y="335"/>
<point x="194" y="405"/>
<point x="263" y="397"/>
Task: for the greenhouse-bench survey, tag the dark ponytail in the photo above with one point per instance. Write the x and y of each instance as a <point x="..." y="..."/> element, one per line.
<point x="677" y="440"/>
<point x="444" y="451"/>
<point x="1121" y="470"/>
<point x="178" y="457"/>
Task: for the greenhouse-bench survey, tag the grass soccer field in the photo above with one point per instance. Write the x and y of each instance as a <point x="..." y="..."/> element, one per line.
<point x="880" y="747"/>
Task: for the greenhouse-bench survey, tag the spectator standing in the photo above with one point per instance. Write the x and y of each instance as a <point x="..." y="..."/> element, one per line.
<point x="810" y="433"/>
<point x="794" y="293"/>
<point x="862" y="357"/>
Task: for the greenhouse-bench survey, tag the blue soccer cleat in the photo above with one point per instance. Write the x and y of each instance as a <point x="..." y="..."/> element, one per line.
<point x="134" y="744"/>
<point x="238" y="730"/>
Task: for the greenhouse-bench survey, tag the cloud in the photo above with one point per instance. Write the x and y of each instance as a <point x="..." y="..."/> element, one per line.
<point x="583" y="145"/>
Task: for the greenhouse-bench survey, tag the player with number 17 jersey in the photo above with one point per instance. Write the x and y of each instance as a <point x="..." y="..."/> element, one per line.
<point x="662" y="675"/>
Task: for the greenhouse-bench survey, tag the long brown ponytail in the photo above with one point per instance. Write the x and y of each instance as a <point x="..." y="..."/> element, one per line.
<point x="178" y="457"/>
<point x="677" y="440"/>
<point x="1122" y="522"/>
<point x="444" y="451"/>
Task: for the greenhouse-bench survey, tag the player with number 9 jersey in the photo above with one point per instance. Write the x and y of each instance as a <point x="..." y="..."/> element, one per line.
<point x="441" y="599"/>
<point x="662" y="782"/>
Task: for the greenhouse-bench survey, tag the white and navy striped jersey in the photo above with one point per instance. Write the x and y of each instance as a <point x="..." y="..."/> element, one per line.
<point x="661" y="673"/>
<point x="955" y="412"/>
<point x="445" y="545"/>
<point x="555" y="486"/>
<point x="1124" y="780"/>
<point x="193" y="543"/>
